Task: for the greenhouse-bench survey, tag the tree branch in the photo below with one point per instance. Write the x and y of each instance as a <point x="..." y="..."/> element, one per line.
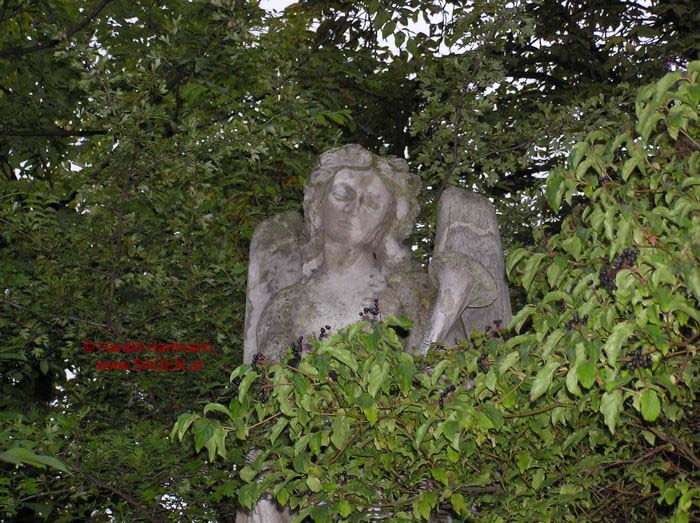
<point x="19" y="51"/>
<point x="58" y="132"/>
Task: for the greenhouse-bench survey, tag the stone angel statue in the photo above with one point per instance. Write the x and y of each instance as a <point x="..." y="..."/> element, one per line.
<point x="348" y="251"/>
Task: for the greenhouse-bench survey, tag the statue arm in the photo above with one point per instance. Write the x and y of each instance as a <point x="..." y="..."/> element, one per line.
<point x="461" y="282"/>
<point x="275" y="327"/>
<point x="275" y="263"/>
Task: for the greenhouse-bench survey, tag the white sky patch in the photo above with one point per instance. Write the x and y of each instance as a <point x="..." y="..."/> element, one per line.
<point x="276" y="5"/>
<point x="421" y="24"/>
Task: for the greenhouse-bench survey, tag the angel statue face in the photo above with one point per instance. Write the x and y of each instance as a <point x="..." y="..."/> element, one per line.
<point x="356" y="208"/>
<point x="356" y="202"/>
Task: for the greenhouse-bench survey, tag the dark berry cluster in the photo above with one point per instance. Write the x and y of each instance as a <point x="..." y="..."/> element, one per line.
<point x="263" y="389"/>
<point x="263" y="393"/>
<point x="496" y="330"/>
<point x="576" y="321"/>
<point x="607" y="278"/>
<point x="625" y="260"/>
<point x="333" y="375"/>
<point x="258" y="359"/>
<point x="325" y="332"/>
<point x="296" y="351"/>
<point x="483" y="363"/>
<point x="604" y="179"/>
<point x="370" y="313"/>
<point x="637" y="360"/>
<point x="444" y="393"/>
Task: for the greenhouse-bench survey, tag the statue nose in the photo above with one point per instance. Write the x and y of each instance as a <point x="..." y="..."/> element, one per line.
<point x="354" y="205"/>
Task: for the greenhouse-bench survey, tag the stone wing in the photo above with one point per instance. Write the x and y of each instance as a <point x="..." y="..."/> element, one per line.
<point x="275" y="263"/>
<point x="466" y="224"/>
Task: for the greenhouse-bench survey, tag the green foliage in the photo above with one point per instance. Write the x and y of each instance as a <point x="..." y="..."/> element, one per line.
<point x="586" y="409"/>
<point x="141" y="142"/>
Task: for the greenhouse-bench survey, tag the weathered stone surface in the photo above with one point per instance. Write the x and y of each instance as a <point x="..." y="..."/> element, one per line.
<point x="275" y="263"/>
<point x="359" y="209"/>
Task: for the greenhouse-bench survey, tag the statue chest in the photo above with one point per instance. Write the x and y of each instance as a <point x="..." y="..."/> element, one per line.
<point x="339" y="304"/>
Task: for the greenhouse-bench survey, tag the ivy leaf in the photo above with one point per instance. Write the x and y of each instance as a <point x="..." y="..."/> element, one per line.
<point x="245" y="385"/>
<point x="538" y="477"/>
<point x="283" y="496"/>
<point x="313" y="483"/>
<point x="343" y="508"/>
<point x="610" y="407"/>
<point x="372" y="414"/>
<point x="406" y="372"/>
<point x="341" y="432"/>
<point x="277" y="429"/>
<point x="420" y="434"/>
<point x="586" y="374"/>
<point x="650" y="404"/>
<point x="377" y="375"/>
<point x="507" y="362"/>
<point x="619" y="335"/>
<point x="458" y="503"/>
<point x="248" y="474"/>
<point x="399" y="321"/>
<point x="182" y="424"/>
<point x="203" y="430"/>
<point x="343" y="355"/>
<point x="543" y="380"/>
<point x="424" y="504"/>
<point x="514" y="258"/>
<point x="437" y="372"/>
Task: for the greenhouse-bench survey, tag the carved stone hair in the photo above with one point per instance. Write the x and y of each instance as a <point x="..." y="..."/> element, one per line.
<point x="402" y="185"/>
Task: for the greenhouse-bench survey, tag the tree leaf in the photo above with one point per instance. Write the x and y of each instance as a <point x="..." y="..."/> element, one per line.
<point x="217" y="407"/>
<point x="554" y="190"/>
<point x="17" y="455"/>
<point x="533" y="264"/>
